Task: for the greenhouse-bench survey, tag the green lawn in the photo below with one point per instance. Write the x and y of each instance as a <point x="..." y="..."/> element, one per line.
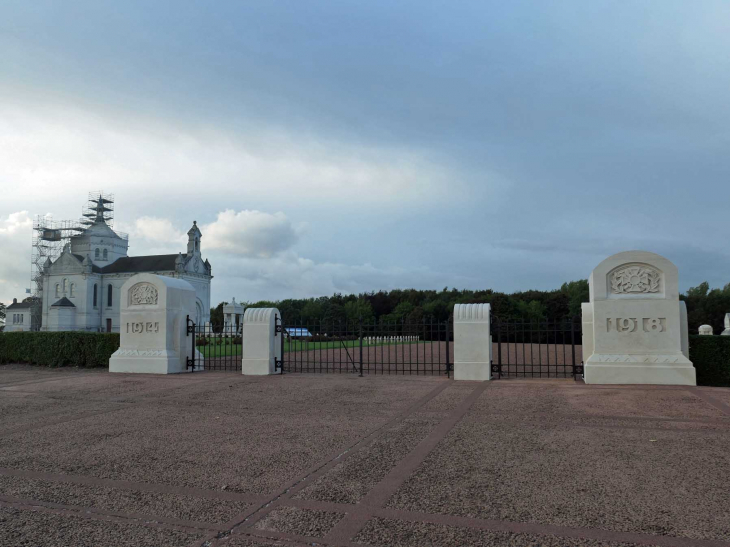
<point x="226" y="348"/>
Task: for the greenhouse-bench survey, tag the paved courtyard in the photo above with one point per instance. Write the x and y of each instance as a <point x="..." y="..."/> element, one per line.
<point x="88" y="458"/>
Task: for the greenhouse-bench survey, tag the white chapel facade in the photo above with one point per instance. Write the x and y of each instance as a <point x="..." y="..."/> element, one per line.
<point x="81" y="288"/>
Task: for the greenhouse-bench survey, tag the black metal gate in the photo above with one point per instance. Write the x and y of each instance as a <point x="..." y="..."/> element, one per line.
<point x="214" y="347"/>
<point x="368" y="347"/>
<point x="537" y="349"/>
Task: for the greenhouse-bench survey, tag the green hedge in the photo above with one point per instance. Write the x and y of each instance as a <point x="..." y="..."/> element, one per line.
<point x="58" y="349"/>
<point x="711" y="357"/>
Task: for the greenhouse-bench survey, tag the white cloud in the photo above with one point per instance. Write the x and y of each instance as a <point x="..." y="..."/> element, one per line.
<point x="249" y="233"/>
<point x="15" y="250"/>
<point x="157" y="230"/>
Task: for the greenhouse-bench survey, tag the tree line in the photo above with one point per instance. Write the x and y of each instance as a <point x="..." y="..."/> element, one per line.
<point x="411" y="306"/>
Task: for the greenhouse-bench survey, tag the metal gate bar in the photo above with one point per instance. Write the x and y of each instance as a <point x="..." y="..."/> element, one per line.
<point x="553" y="351"/>
<point x="368" y="347"/>
<point x="214" y="347"/>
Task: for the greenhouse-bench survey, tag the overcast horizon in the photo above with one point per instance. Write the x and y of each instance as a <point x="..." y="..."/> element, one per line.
<point x="349" y="146"/>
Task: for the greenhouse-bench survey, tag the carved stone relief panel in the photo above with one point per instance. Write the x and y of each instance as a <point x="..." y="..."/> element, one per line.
<point x="635" y="279"/>
<point x="142" y="293"/>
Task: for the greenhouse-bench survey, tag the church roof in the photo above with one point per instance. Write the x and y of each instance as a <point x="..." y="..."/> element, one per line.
<point x="133" y="264"/>
<point x="18" y="305"/>
<point x="100" y="229"/>
<point x="63" y="303"/>
<point x="94" y="267"/>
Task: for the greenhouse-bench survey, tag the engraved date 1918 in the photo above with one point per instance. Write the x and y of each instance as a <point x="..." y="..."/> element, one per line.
<point x="633" y="324"/>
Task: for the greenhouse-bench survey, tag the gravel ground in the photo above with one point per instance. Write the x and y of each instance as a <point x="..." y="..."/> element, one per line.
<point x="123" y="501"/>
<point x="245" y="433"/>
<point x="640" y="460"/>
<point x="654" y="482"/>
<point x="36" y="529"/>
<point x="448" y="399"/>
<point x="351" y="480"/>
<point x="398" y="533"/>
<point x="302" y="522"/>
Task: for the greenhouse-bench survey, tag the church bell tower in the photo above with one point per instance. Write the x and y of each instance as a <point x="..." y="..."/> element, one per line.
<point x="194" y="236"/>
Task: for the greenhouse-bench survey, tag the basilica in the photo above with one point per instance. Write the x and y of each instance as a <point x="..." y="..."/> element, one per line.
<point x="81" y="288"/>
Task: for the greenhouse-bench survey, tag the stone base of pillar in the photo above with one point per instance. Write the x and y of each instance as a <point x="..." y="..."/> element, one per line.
<point x="478" y="372"/>
<point x="153" y="362"/>
<point x="681" y="373"/>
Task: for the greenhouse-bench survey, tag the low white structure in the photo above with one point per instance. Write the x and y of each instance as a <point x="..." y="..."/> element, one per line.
<point x="634" y="326"/>
<point x="705" y="330"/>
<point x="232" y="317"/>
<point x="726" y="332"/>
<point x="261" y="344"/>
<point x="153" y="318"/>
<point x="17" y="316"/>
<point x="472" y="342"/>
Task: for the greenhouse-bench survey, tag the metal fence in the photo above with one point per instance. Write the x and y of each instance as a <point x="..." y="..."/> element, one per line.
<point x="537" y="349"/>
<point x="214" y="348"/>
<point x="368" y="347"/>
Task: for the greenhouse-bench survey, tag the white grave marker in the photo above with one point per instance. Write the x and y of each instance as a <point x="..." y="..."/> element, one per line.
<point x="705" y="330"/>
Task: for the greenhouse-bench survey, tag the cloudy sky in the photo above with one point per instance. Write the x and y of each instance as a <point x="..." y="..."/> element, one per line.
<point x="352" y="146"/>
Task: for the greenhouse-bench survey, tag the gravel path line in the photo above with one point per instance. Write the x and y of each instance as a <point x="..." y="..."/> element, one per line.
<point x="349" y="527"/>
<point x="247" y="520"/>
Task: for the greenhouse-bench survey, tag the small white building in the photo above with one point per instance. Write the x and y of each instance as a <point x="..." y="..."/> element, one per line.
<point x="81" y="289"/>
<point x="17" y="316"/>
<point x="232" y="317"/>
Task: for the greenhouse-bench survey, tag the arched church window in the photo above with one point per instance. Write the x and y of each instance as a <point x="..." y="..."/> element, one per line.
<point x="95" y="290"/>
<point x="96" y="254"/>
<point x="72" y="289"/>
<point x="58" y="290"/>
<point x="65" y="285"/>
<point x="109" y="295"/>
<point x="105" y="255"/>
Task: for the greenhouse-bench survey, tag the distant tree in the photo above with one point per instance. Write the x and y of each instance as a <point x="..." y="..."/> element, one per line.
<point x="263" y="304"/>
<point x="359" y="309"/>
<point x="532" y="310"/>
<point x="2" y="314"/>
<point x="312" y="311"/>
<point x="333" y="312"/>
<point x="216" y="317"/>
<point x="707" y="306"/>
<point x="403" y="310"/>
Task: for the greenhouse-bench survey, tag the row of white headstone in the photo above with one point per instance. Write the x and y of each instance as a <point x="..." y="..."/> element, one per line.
<point x="389" y="339"/>
<point x="706" y="330"/>
<point x="634" y="327"/>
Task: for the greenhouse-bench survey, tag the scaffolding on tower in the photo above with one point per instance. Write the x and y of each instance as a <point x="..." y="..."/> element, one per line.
<point x="51" y="236"/>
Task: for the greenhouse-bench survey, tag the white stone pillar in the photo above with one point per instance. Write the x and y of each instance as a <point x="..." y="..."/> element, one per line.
<point x="261" y="343"/>
<point x="705" y="330"/>
<point x="726" y="332"/>
<point x="153" y="325"/>
<point x="472" y="342"/>
<point x="634" y="325"/>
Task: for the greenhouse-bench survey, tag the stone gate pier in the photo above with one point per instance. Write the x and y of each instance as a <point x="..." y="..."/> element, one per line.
<point x="635" y="327"/>
<point x="153" y="325"/>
